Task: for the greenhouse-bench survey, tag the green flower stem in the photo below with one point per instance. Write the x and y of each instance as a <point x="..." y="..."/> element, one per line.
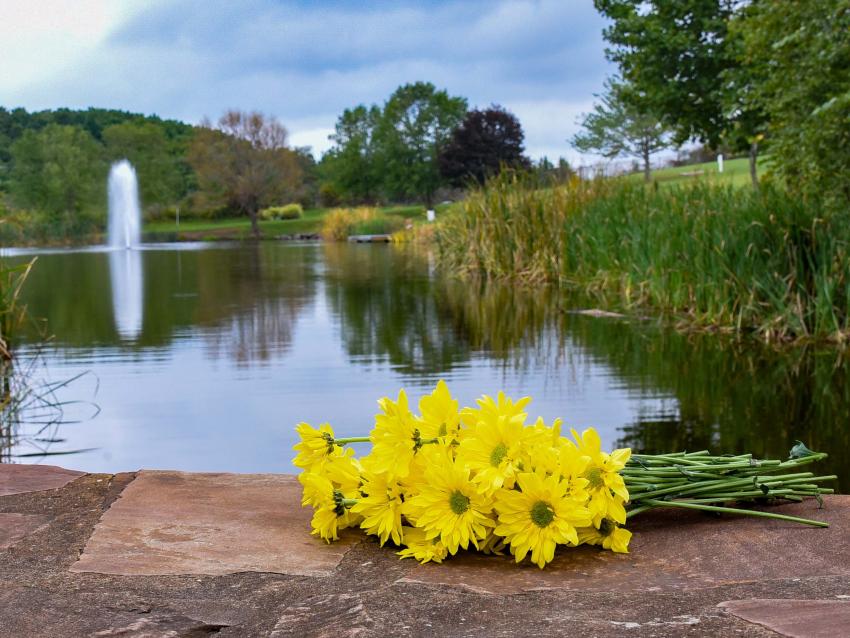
<point x="733" y="510"/>
<point x="352" y="439"/>
<point x="349" y="502"/>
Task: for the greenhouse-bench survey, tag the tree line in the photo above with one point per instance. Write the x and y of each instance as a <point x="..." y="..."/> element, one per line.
<point x="53" y="164"/>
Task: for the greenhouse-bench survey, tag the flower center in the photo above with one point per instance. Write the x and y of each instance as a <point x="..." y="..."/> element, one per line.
<point x="458" y="502"/>
<point x="542" y="514"/>
<point x="499" y="452"/>
<point x="594" y="478"/>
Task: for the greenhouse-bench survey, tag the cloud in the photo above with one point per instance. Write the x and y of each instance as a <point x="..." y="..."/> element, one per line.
<point x="306" y="61"/>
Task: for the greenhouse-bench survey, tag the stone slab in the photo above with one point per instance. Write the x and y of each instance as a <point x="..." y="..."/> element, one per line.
<point x="14" y="526"/>
<point x="184" y="523"/>
<point x="671" y="550"/>
<point x="796" y="618"/>
<point x="19" y="479"/>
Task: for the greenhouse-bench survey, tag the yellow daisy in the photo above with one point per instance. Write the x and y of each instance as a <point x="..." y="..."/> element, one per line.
<point x="316" y="445"/>
<point x="488" y="408"/>
<point x="606" y="488"/>
<point x="330" y="514"/>
<point x="543" y="444"/>
<point x="609" y="535"/>
<point x="539" y="517"/>
<point x="395" y="437"/>
<point x="380" y="507"/>
<point x="421" y="548"/>
<point x="494" y="450"/>
<point x="449" y="507"/>
<point x="440" y="415"/>
<point x="571" y="467"/>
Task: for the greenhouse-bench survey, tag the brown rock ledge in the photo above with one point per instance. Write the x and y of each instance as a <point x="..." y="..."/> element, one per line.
<point x="682" y="568"/>
<point x="182" y="523"/>
<point x="18" y="479"/>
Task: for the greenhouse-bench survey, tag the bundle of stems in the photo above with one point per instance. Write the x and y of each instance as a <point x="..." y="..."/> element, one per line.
<point x="699" y="481"/>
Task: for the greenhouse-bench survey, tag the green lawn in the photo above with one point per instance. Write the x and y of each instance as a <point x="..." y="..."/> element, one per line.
<point x="735" y="172"/>
<point x="240" y="227"/>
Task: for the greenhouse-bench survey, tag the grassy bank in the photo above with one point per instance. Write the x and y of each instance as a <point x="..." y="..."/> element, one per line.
<point x="736" y="172"/>
<point x="710" y="256"/>
<point x="238" y="228"/>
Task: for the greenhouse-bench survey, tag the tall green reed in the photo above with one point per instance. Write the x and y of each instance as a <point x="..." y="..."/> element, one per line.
<point x="711" y="256"/>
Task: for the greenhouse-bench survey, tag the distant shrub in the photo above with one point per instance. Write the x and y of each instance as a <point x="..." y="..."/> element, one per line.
<point x="339" y="223"/>
<point x="290" y="211"/>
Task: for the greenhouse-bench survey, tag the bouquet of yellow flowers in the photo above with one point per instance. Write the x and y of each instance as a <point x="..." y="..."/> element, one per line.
<point x="484" y="478"/>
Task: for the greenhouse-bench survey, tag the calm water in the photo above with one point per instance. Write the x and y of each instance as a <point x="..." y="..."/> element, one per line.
<point x="204" y="357"/>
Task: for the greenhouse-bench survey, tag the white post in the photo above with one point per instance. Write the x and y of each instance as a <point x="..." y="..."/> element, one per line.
<point x="720" y="163"/>
<point x="430" y="215"/>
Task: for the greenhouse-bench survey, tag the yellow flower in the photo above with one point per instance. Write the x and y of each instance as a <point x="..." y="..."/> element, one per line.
<point x="440" y="416"/>
<point x="342" y="470"/>
<point x="448" y="506"/>
<point x="421" y="548"/>
<point x="539" y="517"/>
<point x="395" y="438"/>
<point x="316" y="445"/>
<point x="606" y="488"/>
<point x="543" y="444"/>
<point x="493" y="544"/>
<point x="609" y="535"/>
<point x="494" y="450"/>
<point x="380" y="507"/>
<point x="330" y="514"/>
<point x="487" y="408"/>
<point x="571" y="467"/>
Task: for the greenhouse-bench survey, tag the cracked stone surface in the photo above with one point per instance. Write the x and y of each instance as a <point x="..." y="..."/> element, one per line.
<point x="19" y="479"/>
<point x="182" y="523"/>
<point x="372" y="593"/>
<point x="797" y="618"/>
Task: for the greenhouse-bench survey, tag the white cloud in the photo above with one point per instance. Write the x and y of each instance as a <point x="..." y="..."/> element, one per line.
<point x="42" y="38"/>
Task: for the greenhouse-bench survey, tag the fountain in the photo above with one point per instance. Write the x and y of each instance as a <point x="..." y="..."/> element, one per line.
<point x="125" y="265"/>
<point x="124" y="211"/>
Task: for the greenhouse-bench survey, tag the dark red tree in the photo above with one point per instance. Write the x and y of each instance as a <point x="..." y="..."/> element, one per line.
<point x="484" y="143"/>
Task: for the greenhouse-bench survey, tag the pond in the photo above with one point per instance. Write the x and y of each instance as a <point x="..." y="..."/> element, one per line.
<point x="203" y="357"/>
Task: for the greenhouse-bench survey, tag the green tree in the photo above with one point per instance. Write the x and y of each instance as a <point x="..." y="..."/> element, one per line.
<point x="58" y="170"/>
<point x="352" y="163"/>
<point x="684" y="68"/>
<point x="618" y="128"/>
<point x="146" y="146"/>
<point x="416" y="120"/>
<point x="800" y="51"/>
<point x="244" y="164"/>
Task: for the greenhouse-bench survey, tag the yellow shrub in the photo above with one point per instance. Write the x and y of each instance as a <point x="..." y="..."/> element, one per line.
<point x="338" y="224"/>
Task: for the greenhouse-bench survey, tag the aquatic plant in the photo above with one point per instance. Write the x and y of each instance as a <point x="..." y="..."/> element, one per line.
<point x="708" y="256"/>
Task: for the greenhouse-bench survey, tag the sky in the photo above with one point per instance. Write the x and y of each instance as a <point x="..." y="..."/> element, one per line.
<point x="305" y="61"/>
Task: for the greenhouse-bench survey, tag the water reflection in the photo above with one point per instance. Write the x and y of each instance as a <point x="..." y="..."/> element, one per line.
<point x="126" y="278"/>
<point x="384" y="301"/>
<point x="219" y="351"/>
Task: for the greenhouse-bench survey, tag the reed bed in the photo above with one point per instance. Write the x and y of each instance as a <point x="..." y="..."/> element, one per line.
<point x="715" y="257"/>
